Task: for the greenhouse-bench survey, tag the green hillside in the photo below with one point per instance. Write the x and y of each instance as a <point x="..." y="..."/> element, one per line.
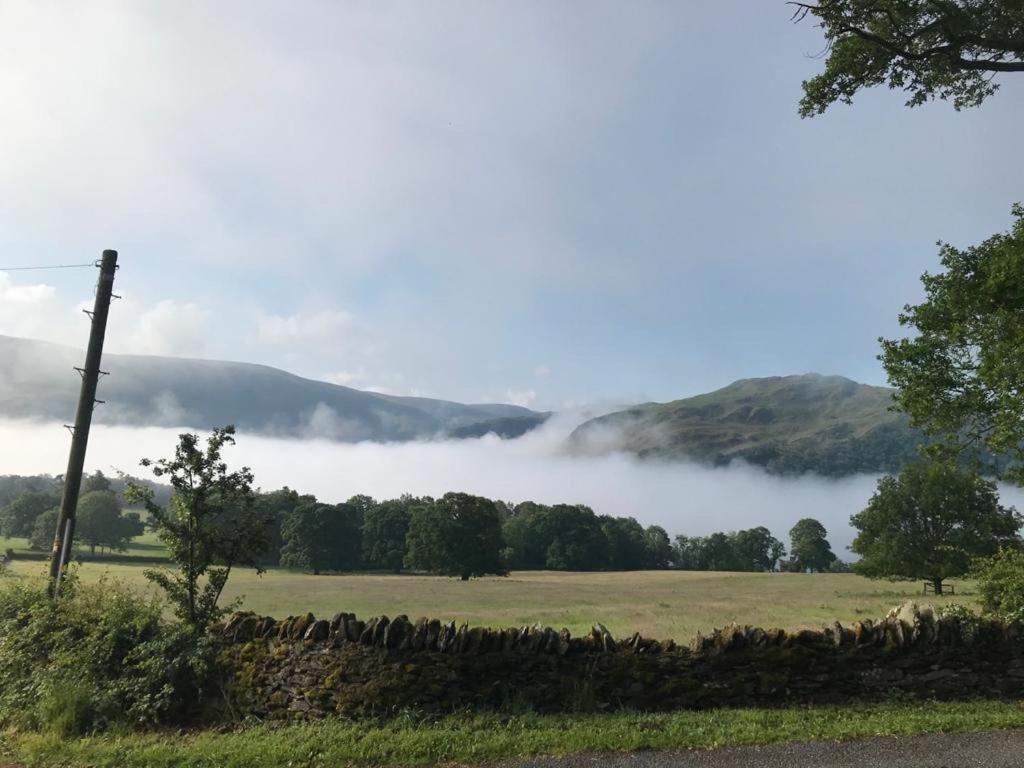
<point x="788" y="425"/>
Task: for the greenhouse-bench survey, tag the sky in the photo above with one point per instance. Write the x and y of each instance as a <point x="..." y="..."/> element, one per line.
<point x="554" y="204"/>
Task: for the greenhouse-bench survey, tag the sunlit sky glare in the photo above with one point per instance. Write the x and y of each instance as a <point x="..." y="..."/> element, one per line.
<point x="549" y="203"/>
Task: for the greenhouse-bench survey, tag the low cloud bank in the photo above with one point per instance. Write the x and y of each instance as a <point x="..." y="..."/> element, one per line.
<point x="684" y="498"/>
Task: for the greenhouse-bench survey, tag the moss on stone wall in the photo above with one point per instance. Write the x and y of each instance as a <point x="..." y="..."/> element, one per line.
<point x="304" y="667"/>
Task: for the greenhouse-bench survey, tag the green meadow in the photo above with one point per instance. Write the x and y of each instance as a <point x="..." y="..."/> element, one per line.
<point x="658" y="604"/>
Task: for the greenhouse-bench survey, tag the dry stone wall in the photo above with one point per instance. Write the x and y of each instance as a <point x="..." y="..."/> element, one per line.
<point x="307" y="667"/>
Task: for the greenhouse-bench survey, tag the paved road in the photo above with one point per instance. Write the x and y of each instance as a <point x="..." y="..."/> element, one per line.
<point x="990" y="749"/>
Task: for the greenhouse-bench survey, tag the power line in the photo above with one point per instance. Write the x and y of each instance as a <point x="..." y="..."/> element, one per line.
<point x="51" y="266"/>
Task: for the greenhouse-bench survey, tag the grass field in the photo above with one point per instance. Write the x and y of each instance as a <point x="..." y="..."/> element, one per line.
<point x="480" y="738"/>
<point x="658" y="604"/>
<point x="145" y="546"/>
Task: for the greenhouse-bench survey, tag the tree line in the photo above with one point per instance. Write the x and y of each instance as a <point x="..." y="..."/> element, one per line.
<point x="458" y="534"/>
<point x="463" y="535"/>
<point x="32" y="506"/>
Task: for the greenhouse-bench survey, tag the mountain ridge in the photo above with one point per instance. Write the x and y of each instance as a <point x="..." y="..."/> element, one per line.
<point x="36" y="381"/>
<point x="830" y="425"/>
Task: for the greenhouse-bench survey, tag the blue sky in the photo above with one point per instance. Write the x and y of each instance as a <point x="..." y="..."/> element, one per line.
<point x="552" y="203"/>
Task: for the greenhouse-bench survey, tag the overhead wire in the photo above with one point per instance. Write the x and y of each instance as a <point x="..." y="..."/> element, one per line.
<point x="49" y="266"/>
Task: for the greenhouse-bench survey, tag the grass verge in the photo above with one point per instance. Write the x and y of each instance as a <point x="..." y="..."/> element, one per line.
<point x="408" y="740"/>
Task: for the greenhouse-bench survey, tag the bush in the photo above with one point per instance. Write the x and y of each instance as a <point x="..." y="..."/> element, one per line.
<point x="100" y="655"/>
<point x="1001" y="583"/>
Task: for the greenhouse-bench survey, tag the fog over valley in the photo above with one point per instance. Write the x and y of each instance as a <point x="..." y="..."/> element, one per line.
<point x="683" y="497"/>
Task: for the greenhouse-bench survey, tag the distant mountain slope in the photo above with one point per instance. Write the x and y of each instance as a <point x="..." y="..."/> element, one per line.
<point x="37" y="381"/>
<point x="790" y="424"/>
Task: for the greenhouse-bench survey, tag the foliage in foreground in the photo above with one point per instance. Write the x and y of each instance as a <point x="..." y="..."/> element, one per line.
<point x="1001" y="583"/>
<point x="930" y="522"/>
<point x="210" y="525"/>
<point x="412" y="740"/>
<point x="99" y="656"/>
<point x="960" y="376"/>
<point x="948" y="50"/>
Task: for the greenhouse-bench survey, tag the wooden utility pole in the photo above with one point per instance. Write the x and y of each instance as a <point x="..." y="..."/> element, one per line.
<point x="64" y="536"/>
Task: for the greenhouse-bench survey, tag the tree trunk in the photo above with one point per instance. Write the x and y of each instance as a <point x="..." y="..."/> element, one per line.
<point x="937" y="584"/>
<point x="465" y="577"/>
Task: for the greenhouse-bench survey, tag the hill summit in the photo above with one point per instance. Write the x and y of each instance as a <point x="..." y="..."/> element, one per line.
<point x="787" y="424"/>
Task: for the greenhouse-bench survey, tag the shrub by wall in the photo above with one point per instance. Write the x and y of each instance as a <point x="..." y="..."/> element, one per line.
<point x="101" y="654"/>
<point x="303" y="667"/>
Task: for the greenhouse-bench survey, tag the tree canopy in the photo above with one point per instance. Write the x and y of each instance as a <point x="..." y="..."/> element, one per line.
<point x="385" y="527"/>
<point x="961" y="377"/>
<point x="930" y="522"/>
<point x="41" y="538"/>
<point x="322" y="537"/>
<point x="101" y="523"/>
<point x="456" y="535"/>
<point x="808" y="545"/>
<point x="946" y="49"/>
<point x="19" y="516"/>
<point x="754" y="549"/>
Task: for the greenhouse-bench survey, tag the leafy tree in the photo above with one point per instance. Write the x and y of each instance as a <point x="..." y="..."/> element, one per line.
<point x="657" y="548"/>
<point x="42" y="530"/>
<point x="578" y="542"/>
<point x="808" y="545"/>
<point x="565" y="537"/>
<point x="961" y="377"/>
<point x="686" y="553"/>
<point x="346" y="534"/>
<point x="757" y="550"/>
<point x="776" y="552"/>
<point x="930" y="522"/>
<point x="385" y="527"/>
<point x="97" y="481"/>
<point x="627" y="543"/>
<point x="321" y="537"/>
<point x="719" y="553"/>
<point x="18" y="518"/>
<point x="274" y="507"/>
<point x="361" y="504"/>
<point x="950" y="49"/>
<point x="456" y="535"/>
<point x="527" y="536"/>
<point x="99" y="522"/>
<point x="210" y="526"/>
<point x="840" y="566"/>
<point x="716" y="552"/>
<point x="13" y="486"/>
<point x="304" y="535"/>
<point x="426" y="547"/>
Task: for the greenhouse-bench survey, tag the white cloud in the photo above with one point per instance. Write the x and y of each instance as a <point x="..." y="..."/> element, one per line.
<point x="541" y="371"/>
<point x="170" y="328"/>
<point x="326" y="325"/>
<point x="357" y="379"/>
<point x="23" y="296"/>
<point x="346" y="378"/>
<point x="520" y="397"/>
<point x="27" y="310"/>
